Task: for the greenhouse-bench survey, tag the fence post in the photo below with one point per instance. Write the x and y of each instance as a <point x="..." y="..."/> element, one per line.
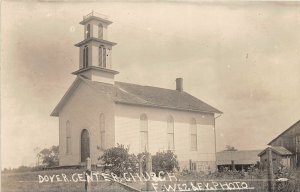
<point x="88" y="172"/>
<point x="141" y="165"/>
<point x="232" y="165"/>
<point x="270" y="170"/>
<point x="149" y="170"/>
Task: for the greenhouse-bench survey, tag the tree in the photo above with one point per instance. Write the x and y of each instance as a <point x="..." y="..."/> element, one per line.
<point x="230" y="148"/>
<point x="49" y="156"/>
<point x="36" y="151"/>
<point x="119" y="160"/>
<point x="164" y="161"/>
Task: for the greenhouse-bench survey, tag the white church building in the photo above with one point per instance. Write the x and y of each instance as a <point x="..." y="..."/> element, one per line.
<point x="98" y="112"/>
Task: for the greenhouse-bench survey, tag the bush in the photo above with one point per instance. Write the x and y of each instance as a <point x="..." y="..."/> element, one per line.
<point x="286" y="186"/>
<point x="120" y="160"/>
<point x="164" y="161"/>
<point x="49" y="156"/>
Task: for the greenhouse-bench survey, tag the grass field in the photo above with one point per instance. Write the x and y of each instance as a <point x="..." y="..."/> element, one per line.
<point x="29" y="181"/>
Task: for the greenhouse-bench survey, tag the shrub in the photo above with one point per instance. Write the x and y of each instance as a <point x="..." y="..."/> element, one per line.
<point x="164" y="161"/>
<point x="291" y="184"/>
<point x="49" y="156"/>
<point x="119" y="159"/>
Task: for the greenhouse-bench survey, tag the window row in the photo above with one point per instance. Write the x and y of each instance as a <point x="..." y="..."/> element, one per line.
<point x="102" y="55"/>
<point x="170" y="133"/>
<point x="143" y="133"/>
<point x="100" y="31"/>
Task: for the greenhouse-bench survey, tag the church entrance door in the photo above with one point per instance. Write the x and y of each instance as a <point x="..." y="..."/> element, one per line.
<point x="85" y="145"/>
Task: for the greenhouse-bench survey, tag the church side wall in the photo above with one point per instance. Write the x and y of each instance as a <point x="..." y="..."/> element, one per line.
<point x="83" y="110"/>
<point x="127" y="125"/>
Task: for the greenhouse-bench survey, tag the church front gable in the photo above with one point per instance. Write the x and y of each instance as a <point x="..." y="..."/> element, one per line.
<point x="86" y="125"/>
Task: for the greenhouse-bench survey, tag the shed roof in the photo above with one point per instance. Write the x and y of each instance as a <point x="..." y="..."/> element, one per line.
<point x="297" y="124"/>
<point x="133" y="94"/>
<point x="277" y="149"/>
<point x="245" y="157"/>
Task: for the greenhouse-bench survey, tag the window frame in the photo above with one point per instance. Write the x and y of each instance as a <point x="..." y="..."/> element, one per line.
<point x="104" y="57"/>
<point x="144" y="133"/>
<point x="100" y="29"/>
<point x="100" y="56"/>
<point x="170" y="133"/>
<point x="88" y="31"/>
<point x="194" y="135"/>
<point x="102" y="130"/>
<point x="68" y="138"/>
<point x="85" y="56"/>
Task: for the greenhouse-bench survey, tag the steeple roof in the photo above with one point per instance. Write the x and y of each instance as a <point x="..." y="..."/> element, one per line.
<point x="95" y="39"/>
<point x="96" y="16"/>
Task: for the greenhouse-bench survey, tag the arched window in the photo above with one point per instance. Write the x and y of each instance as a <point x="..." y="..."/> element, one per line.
<point x="85" y="145"/>
<point x="170" y="133"/>
<point x="85" y="57"/>
<point x="104" y="57"/>
<point x="100" y="56"/>
<point x="88" y="31"/>
<point x="193" y="127"/>
<point x="144" y="132"/>
<point x="100" y="31"/>
<point x="102" y="130"/>
<point x="68" y="138"/>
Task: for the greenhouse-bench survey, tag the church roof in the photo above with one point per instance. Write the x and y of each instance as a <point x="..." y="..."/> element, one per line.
<point x="159" y="97"/>
<point x="148" y="96"/>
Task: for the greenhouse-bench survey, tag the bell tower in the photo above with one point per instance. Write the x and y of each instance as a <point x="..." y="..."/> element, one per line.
<point x="95" y="51"/>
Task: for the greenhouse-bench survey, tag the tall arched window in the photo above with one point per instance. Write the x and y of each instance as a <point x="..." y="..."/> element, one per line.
<point x="193" y="127"/>
<point x="144" y="132"/>
<point x="84" y="145"/>
<point x="100" y="56"/>
<point x="68" y="138"/>
<point x="170" y="133"/>
<point x="100" y="31"/>
<point x="85" y="57"/>
<point x="104" y="57"/>
<point x="88" y="31"/>
<point x="102" y="130"/>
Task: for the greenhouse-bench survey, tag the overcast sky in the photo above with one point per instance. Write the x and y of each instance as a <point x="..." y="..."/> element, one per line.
<point x="242" y="58"/>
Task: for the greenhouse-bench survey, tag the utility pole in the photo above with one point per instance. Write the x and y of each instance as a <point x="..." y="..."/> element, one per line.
<point x="270" y="170"/>
<point x="88" y="172"/>
<point x="215" y="138"/>
<point x="149" y="170"/>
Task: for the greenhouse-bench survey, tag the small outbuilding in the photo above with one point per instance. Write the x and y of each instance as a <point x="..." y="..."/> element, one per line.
<point x="290" y="139"/>
<point x="238" y="160"/>
<point x="280" y="157"/>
